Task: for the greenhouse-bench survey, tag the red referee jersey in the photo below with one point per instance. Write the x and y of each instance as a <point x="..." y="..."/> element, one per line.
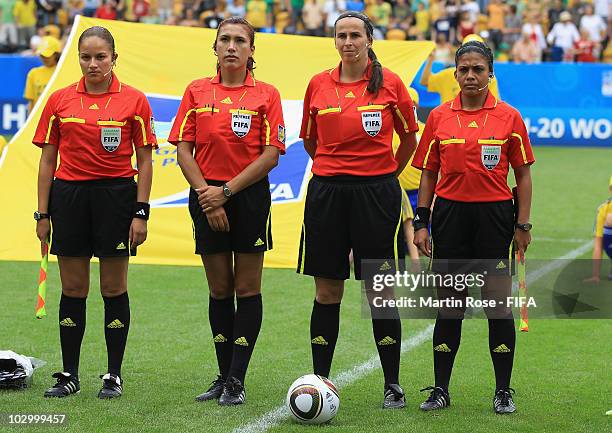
<point x="229" y="125"/>
<point x="472" y="149"/>
<point x="96" y="134"/>
<point x="354" y="128"/>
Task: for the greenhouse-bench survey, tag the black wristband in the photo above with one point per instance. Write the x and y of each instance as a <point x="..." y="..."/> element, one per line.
<point x="421" y="218"/>
<point x="142" y="210"/>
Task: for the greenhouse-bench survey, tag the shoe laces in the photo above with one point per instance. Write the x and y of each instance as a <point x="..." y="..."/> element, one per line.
<point x="394" y="390"/>
<point x="436" y="391"/>
<point x="218" y="381"/>
<point x="233" y="387"/>
<point x="504" y="395"/>
<point x="62" y="379"/>
<point x="111" y="380"/>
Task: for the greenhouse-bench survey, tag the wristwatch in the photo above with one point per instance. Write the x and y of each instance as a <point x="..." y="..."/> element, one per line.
<point x="226" y="191"/>
<point x="525" y="227"/>
<point x="40" y="216"/>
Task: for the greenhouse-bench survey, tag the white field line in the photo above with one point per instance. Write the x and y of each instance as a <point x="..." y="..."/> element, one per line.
<point x="568" y="240"/>
<point x="347" y="377"/>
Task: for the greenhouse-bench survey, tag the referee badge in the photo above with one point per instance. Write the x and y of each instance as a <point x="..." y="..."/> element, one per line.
<point x="110" y="138"/>
<point x="372" y="122"/>
<point x="241" y="124"/>
<point x="490" y="156"/>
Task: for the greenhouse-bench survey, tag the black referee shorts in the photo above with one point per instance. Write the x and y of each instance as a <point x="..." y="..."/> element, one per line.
<point x="472" y="237"/>
<point x="92" y="217"/>
<point x="350" y="212"/>
<point x="249" y="217"/>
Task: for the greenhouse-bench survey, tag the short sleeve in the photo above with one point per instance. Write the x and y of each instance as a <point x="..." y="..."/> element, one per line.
<point x="273" y="132"/>
<point x="47" y="131"/>
<point x="600" y="220"/>
<point x="143" y="128"/>
<point x="519" y="151"/>
<point x="184" y="126"/>
<point x="427" y="155"/>
<point x="404" y="113"/>
<point x="30" y="92"/>
<point x="434" y="83"/>
<point x="308" y="131"/>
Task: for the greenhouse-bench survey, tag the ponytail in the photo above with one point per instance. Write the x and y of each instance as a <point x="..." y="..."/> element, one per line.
<point x="376" y="78"/>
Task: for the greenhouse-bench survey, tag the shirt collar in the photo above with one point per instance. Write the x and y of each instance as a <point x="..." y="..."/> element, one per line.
<point x="335" y="73"/>
<point x="249" y="81"/>
<point x="490" y="102"/>
<point x="115" y="85"/>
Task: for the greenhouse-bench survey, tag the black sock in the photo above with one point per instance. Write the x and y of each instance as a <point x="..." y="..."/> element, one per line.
<point x="116" y="327"/>
<point x="446" y="339"/>
<point x="221" y="317"/>
<point x="247" y="323"/>
<point x="388" y="336"/>
<point x="72" y="327"/>
<point x="324" y="328"/>
<point x="502" y="340"/>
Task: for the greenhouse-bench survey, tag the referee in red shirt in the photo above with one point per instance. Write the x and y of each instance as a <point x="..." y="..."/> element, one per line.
<point x="471" y="141"/>
<point x="95" y="206"/>
<point x="354" y="198"/>
<point x="229" y="131"/>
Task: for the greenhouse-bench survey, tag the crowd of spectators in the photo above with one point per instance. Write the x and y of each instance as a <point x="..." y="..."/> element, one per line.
<point x="526" y="31"/>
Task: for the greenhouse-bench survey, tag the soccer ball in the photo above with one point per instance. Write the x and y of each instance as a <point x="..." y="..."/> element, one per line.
<point x="313" y="399"/>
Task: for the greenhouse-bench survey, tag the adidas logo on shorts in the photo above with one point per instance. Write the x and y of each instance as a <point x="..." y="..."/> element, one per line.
<point x="500" y="265"/>
<point x="385" y="267"/>
<point x="258" y="243"/>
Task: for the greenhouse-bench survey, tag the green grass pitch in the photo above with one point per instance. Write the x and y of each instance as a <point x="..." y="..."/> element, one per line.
<point x="562" y="367"/>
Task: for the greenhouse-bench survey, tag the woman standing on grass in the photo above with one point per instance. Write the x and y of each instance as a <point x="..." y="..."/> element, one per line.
<point x="229" y="131"/>
<point x="92" y="201"/>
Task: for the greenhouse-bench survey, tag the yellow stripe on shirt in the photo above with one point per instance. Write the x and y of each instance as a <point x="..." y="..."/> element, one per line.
<point x="265" y="119"/>
<point x="51" y="119"/>
<point x="72" y="120"/>
<point x="371" y="107"/>
<point x="401" y="116"/>
<point x="110" y="123"/>
<point x="427" y="154"/>
<point x="144" y="131"/>
<point x="520" y="137"/>
<point x="491" y="141"/>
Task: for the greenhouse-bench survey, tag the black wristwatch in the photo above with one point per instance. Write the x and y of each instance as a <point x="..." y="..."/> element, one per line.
<point x="226" y="191"/>
<point x="40" y="216"/>
<point x="525" y="227"/>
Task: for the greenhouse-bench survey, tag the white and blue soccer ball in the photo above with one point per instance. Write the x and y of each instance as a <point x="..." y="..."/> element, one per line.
<point x="313" y="399"/>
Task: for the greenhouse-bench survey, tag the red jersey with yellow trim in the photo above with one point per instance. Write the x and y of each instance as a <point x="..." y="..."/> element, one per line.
<point x="229" y="125"/>
<point x="473" y="149"/>
<point x="354" y="128"/>
<point x="96" y="134"/>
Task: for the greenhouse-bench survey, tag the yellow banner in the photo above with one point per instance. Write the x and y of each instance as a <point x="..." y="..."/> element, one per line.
<point x="161" y="61"/>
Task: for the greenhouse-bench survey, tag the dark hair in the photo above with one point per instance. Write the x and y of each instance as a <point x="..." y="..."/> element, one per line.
<point x="102" y="33"/>
<point x="250" y="30"/>
<point x="475" y="47"/>
<point x="376" y="80"/>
